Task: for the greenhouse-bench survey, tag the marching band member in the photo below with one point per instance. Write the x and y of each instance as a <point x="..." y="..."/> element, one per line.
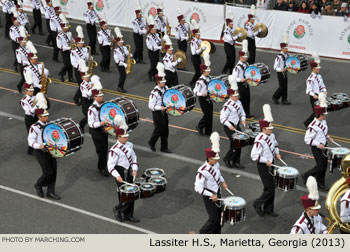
<point x="49" y="12"/>
<point x="243" y="87"/>
<point x="14" y="35"/>
<point x="161" y="20"/>
<point x="345" y="205"/>
<point x="314" y="85"/>
<point x="139" y="28"/>
<point x="201" y="91"/>
<point x="99" y="136"/>
<point x="310" y="221"/>
<point x="181" y="32"/>
<point x="123" y="166"/>
<point x="86" y="92"/>
<point x="22" y="17"/>
<point x="196" y="51"/>
<point x="91" y="20"/>
<point x="7" y="7"/>
<point x="249" y="27"/>
<point x="29" y="109"/>
<point x="317" y="136"/>
<point x="153" y="43"/>
<point x="37" y="17"/>
<point x="22" y="59"/>
<point x="55" y="26"/>
<point x="170" y="64"/>
<point x="120" y="57"/>
<point x="229" y="45"/>
<point x="104" y="39"/>
<point x="231" y="115"/>
<point x="64" y="40"/>
<point x="264" y="151"/>
<point x="47" y="162"/>
<point x="207" y="184"/>
<point x="160" y="117"/>
<point x="281" y="69"/>
<point x="35" y="69"/>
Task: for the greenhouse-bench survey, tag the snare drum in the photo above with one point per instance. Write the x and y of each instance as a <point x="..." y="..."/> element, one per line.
<point x="179" y="100"/>
<point x="255" y="126"/>
<point x="252" y="135"/>
<point x="336" y="155"/>
<point x="257" y="74"/>
<point x="160" y="184"/>
<point x="153" y="173"/>
<point x="344" y="98"/>
<point x="336" y="104"/>
<point x="139" y="181"/>
<point x="120" y="106"/>
<point x="296" y="63"/>
<point x="147" y="190"/>
<point x="287" y="178"/>
<point x="217" y="88"/>
<point x="62" y="137"/>
<point x="129" y="193"/>
<point x="240" y="140"/>
<point x="234" y="209"/>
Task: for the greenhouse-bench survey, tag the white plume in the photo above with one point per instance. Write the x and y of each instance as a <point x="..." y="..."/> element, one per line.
<point x="167" y="40"/>
<point x="160" y="5"/>
<point x="22" y="31"/>
<point x="151" y="20"/>
<point x="14" y="11"/>
<point x="179" y="11"/>
<point x="19" y="2"/>
<point x="232" y="81"/>
<point x="215" y="142"/>
<point x="194" y="24"/>
<point x="230" y="15"/>
<point x="31" y="47"/>
<point x="311" y="185"/>
<point x="267" y="113"/>
<point x="95" y="81"/>
<point x="79" y="31"/>
<point x="28" y="77"/>
<point x="40" y="100"/>
<point x="252" y="9"/>
<point x="206" y="58"/>
<point x="63" y="18"/>
<point x="284" y="37"/>
<point x="117" y="32"/>
<point x="316" y="57"/>
<point x="82" y="66"/>
<point x="138" y="5"/>
<point x="160" y="68"/>
<point x="245" y="46"/>
<point x="120" y="121"/>
<point x="322" y="97"/>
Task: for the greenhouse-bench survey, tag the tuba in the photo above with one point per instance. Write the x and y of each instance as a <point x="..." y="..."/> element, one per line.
<point x="242" y="31"/>
<point x="335" y="193"/>
<point x="264" y="30"/>
<point x="130" y="62"/>
<point x="91" y="63"/>
<point x="182" y="55"/>
<point x="44" y="81"/>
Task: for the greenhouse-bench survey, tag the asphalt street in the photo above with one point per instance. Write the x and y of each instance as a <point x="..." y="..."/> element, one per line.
<point x="88" y="198"/>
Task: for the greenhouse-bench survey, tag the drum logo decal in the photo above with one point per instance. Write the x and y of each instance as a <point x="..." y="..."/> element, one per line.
<point x="299" y="32"/>
<point x="55" y="136"/>
<point x="253" y="75"/>
<point x="174" y="99"/>
<point x="217" y="87"/>
<point x="55" y="140"/>
<point x="112" y="114"/>
<point x="217" y="90"/>
<point x="175" y="102"/>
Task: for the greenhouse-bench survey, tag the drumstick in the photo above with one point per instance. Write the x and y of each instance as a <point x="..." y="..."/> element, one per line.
<point x="276" y="166"/>
<point x="336" y="143"/>
<point x="283" y="162"/>
<point x="230" y="192"/>
<point x="129" y="183"/>
<point x="240" y="132"/>
<point x="133" y="179"/>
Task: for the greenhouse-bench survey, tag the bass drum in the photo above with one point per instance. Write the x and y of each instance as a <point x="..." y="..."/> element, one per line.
<point x="179" y="100"/>
<point x="257" y="74"/>
<point x="62" y="137"/>
<point x="296" y="63"/>
<point x="120" y="106"/>
<point x="217" y="88"/>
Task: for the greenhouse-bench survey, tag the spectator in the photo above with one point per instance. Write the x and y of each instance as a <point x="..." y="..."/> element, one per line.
<point x="328" y="10"/>
<point x="281" y="5"/>
<point x="336" y="5"/>
<point x="315" y="10"/>
<point x="343" y="10"/>
<point x="304" y="8"/>
<point x="292" y="6"/>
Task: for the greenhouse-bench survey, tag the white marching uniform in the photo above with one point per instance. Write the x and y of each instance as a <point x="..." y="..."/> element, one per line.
<point x="22" y="55"/>
<point x="86" y="89"/>
<point x="90" y="17"/>
<point x="36" y="71"/>
<point x="280" y="61"/>
<point x="6" y="6"/>
<point x="315" y="85"/>
<point x="120" y="55"/>
<point x="169" y="63"/>
<point x="181" y="32"/>
<point x="14" y="33"/>
<point x="232" y="112"/>
<point x="208" y="179"/>
<point x="36" y="4"/>
<point x="316" y="133"/>
<point x="55" y="23"/>
<point x="303" y="226"/>
<point x="49" y="12"/>
<point x="23" y="18"/>
<point x="195" y="46"/>
<point x="249" y="27"/>
<point x="228" y="36"/>
<point x="122" y="155"/>
<point x="265" y="148"/>
<point x="104" y="37"/>
<point x="201" y="86"/>
<point x="64" y="41"/>
<point x="153" y="42"/>
<point x="161" y="24"/>
<point x="345" y="207"/>
<point x="35" y="139"/>
<point x="155" y="101"/>
<point x="27" y="105"/>
<point x="139" y="26"/>
<point x="94" y="116"/>
<point x="77" y="54"/>
<point x="239" y="70"/>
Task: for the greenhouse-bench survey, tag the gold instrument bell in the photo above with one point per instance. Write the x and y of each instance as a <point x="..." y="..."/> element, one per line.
<point x="264" y="30"/>
<point x="181" y="55"/>
<point x="210" y="47"/>
<point x="242" y="31"/>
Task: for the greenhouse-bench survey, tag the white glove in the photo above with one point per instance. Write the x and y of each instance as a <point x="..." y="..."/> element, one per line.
<point x="186" y="38"/>
<point x="203" y="48"/>
<point x="179" y="60"/>
<point x="125" y="65"/>
<point x="260" y="30"/>
<point x="239" y="35"/>
<point x="131" y="55"/>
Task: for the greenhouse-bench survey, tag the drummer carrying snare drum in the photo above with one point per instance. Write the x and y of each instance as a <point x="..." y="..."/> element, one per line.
<point x="208" y="180"/>
<point x="122" y="164"/>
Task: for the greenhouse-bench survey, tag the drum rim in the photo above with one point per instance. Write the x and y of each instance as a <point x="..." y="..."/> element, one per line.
<point x="129" y="192"/>
<point x="147" y="189"/>
<point x="165" y="181"/>
<point x="237" y="197"/>
<point x="279" y="174"/>
<point x="338" y="154"/>
<point x="154" y="175"/>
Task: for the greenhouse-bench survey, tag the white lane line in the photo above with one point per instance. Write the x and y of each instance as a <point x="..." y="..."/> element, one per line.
<point x="181" y="158"/>
<point x="75" y="209"/>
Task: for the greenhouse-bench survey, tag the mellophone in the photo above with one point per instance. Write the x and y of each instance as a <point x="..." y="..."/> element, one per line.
<point x="152" y="181"/>
<point x="336" y="102"/>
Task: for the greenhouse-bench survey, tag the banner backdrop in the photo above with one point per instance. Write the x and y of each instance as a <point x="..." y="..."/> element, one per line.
<point x="330" y="36"/>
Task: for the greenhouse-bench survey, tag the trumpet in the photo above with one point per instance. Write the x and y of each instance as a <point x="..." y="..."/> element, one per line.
<point x="130" y="62"/>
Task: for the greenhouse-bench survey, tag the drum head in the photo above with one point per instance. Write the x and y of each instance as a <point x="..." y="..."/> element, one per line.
<point x="339" y="96"/>
<point x="217" y="90"/>
<point x="340" y="151"/>
<point x="154" y="172"/>
<point x="240" y="136"/>
<point x="129" y="188"/>
<point x="158" y="181"/>
<point x="147" y="186"/>
<point x="253" y="75"/>
<point x="55" y="139"/>
<point x="108" y="111"/>
<point x="293" y="64"/>
<point x="288" y="172"/>
<point x="234" y="202"/>
<point x="175" y="102"/>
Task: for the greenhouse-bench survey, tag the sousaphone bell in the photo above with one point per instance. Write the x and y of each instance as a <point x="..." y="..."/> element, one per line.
<point x="210" y="47"/>
<point x="264" y="30"/>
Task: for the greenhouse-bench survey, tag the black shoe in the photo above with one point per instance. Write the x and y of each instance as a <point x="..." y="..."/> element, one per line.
<point x="227" y="163"/>
<point x="61" y="76"/>
<point x="249" y="116"/>
<point x="286" y="102"/>
<point x="303" y="176"/>
<point x="19" y="88"/>
<point x="166" y="151"/>
<point x="48" y="43"/>
<point x="77" y="102"/>
<point x="117" y="214"/>
<point x="104" y="172"/>
<point x="238" y="166"/>
<point x="272" y="214"/>
<point x="39" y="191"/>
<point x="33" y="31"/>
<point x="275" y="100"/>
<point x="121" y="90"/>
<point x="131" y="219"/>
<point x="259" y="211"/>
<point x="323" y="188"/>
<point x="71" y="80"/>
<point x="30" y="152"/>
<point x="200" y="132"/>
<point x="53" y="196"/>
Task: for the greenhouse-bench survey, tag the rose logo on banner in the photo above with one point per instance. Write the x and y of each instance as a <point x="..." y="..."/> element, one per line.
<point x="299" y="32"/>
<point x="196" y="14"/>
<point x="63" y="2"/>
<point x="152" y="11"/>
<point x="99" y="6"/>
<point x="195" y="17"/>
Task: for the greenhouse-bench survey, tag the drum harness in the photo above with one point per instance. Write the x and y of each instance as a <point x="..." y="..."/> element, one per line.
<point x="206" y="83"/>
<point x="324" y="152"/>
<point x="123" y="149"/>
<point x="284" y="62"/>
<point x="272" y="170"/>
<point x="161" y="97"/>
<point x="243" y="66"/>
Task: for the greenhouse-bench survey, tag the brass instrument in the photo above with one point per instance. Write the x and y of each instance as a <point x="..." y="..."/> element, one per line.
<point x="44" y="81"/>
<point x="168" y="27"/>
<point x="27" y="37"/>
<point x="181" y="55"/>
<point x="264" y="30"/>
<point x="130" y="62"/>
<point x="91" y="63"/>
<point x="190" y="35"/>
<point x="210" y="47"/>
<point x="242" y="31"/>
<point x="337" y="190"/>
<point x="162" y="43"/>
<point x="73" y="45"/>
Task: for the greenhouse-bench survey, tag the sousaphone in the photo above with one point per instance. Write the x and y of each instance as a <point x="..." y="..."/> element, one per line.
<point x="210" y="47"/>
<point x="242" y="31"/>
<point x="264" y="30"/>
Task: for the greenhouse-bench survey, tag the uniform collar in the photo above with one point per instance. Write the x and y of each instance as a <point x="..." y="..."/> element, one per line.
<point x="96" y="103"/>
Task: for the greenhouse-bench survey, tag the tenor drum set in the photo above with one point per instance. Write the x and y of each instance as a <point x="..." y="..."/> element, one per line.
<point x="336" y="101"/>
